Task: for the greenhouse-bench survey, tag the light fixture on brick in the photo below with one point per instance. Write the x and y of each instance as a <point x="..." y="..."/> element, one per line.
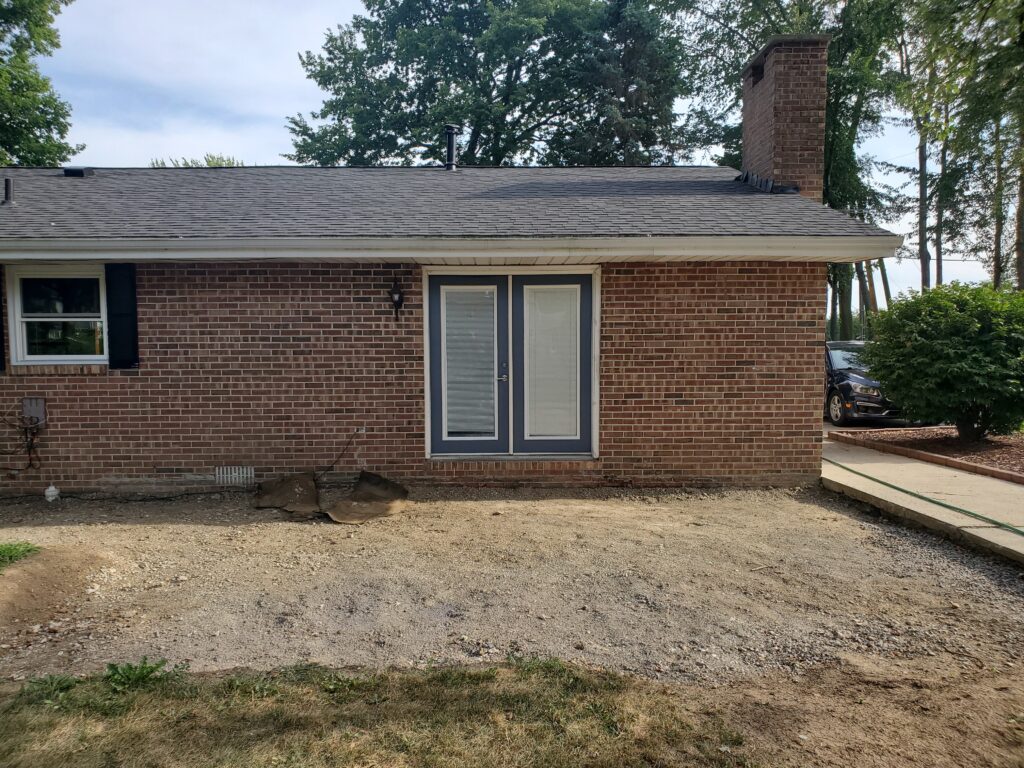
<point x="397" y="297"/>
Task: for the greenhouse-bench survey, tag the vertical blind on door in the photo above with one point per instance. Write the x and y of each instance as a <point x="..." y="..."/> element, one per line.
<point x="469" y="351"/>
<point x="552" y="360"/>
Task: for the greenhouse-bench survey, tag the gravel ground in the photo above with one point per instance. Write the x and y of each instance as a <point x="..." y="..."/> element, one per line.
<point x="744" y="596"/>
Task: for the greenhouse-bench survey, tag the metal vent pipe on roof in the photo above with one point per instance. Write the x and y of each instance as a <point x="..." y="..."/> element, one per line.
<point x="8" y="191"/>
<point x="450" y="132"/>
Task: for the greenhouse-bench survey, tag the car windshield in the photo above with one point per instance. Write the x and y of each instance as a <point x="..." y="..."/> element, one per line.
<point x="846" y="358"/>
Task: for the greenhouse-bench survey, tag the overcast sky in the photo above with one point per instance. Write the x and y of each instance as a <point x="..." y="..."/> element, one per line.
<point x="179" y="79"/>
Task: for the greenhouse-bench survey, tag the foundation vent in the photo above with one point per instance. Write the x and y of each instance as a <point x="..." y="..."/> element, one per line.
<point x="238" y="476"/>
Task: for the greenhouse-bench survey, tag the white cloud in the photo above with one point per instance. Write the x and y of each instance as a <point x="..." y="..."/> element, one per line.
<point x="158" y="79"/>
<point x="229" y="55"/>
<point x="111" y="144"/>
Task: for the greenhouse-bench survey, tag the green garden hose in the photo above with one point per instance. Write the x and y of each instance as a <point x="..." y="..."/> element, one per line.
<point x="962" y="511"/>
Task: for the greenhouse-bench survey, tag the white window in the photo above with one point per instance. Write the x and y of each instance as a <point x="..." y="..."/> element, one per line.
<point x="57" y="314"/>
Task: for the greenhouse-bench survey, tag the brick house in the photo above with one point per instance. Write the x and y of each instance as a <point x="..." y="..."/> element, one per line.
<point x="561" y="325"/>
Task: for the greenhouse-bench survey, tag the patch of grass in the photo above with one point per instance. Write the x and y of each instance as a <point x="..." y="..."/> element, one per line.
<point x="11" y="552"/>
<point x="49" y="690"/>
<point x="530" y="712"/>
<point x="128" y="676"/>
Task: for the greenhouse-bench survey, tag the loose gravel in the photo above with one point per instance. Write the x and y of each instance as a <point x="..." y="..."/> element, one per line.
<point x="828" y="635"/>
<point x="675" y="586"/>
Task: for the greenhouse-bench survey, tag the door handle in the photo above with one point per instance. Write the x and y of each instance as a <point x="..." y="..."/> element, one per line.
<point x="503" y="377"/>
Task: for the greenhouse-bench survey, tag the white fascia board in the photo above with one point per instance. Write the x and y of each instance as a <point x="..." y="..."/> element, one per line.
<point x="474" y="251"/>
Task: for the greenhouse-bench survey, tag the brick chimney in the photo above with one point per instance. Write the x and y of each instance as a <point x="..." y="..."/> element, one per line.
<point x="784" y="114"/>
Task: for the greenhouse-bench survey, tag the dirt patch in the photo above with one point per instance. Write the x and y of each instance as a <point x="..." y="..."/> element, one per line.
<point x="997" y="451"/>
<point x="43" y="590"/>
<point x="865" y="637"/>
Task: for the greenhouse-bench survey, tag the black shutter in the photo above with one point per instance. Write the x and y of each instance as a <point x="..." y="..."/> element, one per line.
<point x="122" y="316"/>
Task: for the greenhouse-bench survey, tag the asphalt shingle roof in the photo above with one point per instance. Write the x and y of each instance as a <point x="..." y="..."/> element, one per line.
<point x="295" y="202"/>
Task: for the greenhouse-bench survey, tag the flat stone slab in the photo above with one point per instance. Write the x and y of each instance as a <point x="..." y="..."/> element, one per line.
<point x="354" y="512"/>
<point x="974" y="494"/>
<point x="998" y="499"/>
<point x="292" y="493"/>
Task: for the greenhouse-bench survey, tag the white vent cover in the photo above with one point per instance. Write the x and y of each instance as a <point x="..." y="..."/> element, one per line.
<point x="243" y="476"/>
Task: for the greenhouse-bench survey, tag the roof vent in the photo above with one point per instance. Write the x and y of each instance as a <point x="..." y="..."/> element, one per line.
<point x="79" y="172"/>
<point x="8" y="191"/>
<point x="450" y="131"/>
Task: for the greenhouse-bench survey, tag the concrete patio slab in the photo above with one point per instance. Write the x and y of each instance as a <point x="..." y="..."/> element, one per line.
<point x="864" y="473"/>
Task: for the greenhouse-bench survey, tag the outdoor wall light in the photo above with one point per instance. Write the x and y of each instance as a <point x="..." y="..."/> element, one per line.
<point x="397" y="297"/>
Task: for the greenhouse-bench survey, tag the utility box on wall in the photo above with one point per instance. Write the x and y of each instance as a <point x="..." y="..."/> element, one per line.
<point x="33" y="410"/>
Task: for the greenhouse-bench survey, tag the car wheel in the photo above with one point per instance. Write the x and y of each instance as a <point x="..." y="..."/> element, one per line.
<point x="836" y="409"/>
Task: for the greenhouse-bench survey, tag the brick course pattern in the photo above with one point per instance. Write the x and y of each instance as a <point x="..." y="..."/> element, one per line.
<point x="710" y="374"/>
<point x="784" y="115"/>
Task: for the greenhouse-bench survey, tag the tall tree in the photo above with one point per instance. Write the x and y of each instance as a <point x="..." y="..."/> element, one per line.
<point x="34" y="120"/>
<point x="977" y="48"/>
<point x="209" y="160"/>
<point x="566" y="81"/>
<point x="629" y="83"/>
<point x="722" y="34"/>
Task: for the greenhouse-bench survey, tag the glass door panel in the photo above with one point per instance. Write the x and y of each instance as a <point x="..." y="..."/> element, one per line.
<point x="552" y="345"/>
<point x="469" y="364"/>
<point x="551" y="361"/>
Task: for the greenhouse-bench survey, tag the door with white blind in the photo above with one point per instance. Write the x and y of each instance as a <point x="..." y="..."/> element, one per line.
<point x="469" y="364"/>
<point x="510" y="364"/>
<point x="551" y="349"/>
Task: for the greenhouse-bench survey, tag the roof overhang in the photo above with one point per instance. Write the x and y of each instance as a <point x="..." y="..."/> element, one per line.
<point x="457" y="251"/>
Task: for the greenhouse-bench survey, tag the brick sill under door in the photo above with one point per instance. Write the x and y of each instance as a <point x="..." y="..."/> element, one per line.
<point x="514" y="457"/>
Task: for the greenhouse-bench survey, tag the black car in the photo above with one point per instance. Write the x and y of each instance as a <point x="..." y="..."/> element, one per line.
<point x="850" y="393"/>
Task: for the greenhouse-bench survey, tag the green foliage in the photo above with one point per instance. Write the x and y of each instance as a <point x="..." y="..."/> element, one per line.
<point x="955" y="353"/>
<point x="966" y="87"/>
<point x="861" y="79"/>
<point x="555" y="81"/>
<point x="34" y="121"/>
<point x="50" y="690"/>
<point x="128" y="676"/>
<point x="209" y="160"/>
<point x="11" y="552"/>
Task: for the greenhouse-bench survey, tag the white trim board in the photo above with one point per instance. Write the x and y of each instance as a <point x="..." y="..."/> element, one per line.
<point x="464" y="251"/>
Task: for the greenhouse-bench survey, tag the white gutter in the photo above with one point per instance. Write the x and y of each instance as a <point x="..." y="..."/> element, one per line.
<point x="443" y="251"/>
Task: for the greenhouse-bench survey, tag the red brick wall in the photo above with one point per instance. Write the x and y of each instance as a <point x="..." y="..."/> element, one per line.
<point x="784" y="114"/>
<point x="710" y="373"/>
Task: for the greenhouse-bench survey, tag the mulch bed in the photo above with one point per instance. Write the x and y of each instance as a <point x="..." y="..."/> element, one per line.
<point x="1000" y="452"/>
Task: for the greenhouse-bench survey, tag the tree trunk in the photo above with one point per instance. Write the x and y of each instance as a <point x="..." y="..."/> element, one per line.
<point x="885" y="283"/>
<point x="970" y="429"/>
<point x="862" y="286"/>
<point x="922" y="206"/>
<point x="998" y="211"/>
<point x="833" y="318"/>
<point x="872" y="297"/>
<point x="1019" y="244"/>
<point x="845" y="302"/>
<point x="940" y="197"/>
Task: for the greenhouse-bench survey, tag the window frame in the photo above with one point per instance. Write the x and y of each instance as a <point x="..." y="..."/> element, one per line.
<point x="508" y="272"/>
<point x="16" y="319"/>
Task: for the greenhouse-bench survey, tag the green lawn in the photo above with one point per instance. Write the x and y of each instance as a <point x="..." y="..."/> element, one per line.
<point x="524" y="713"/>
<point x="11" y="552"/>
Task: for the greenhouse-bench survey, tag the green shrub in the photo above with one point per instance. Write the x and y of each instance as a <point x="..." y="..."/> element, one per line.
<point x="954" y="354"/>
<point x="128" y="676"/>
